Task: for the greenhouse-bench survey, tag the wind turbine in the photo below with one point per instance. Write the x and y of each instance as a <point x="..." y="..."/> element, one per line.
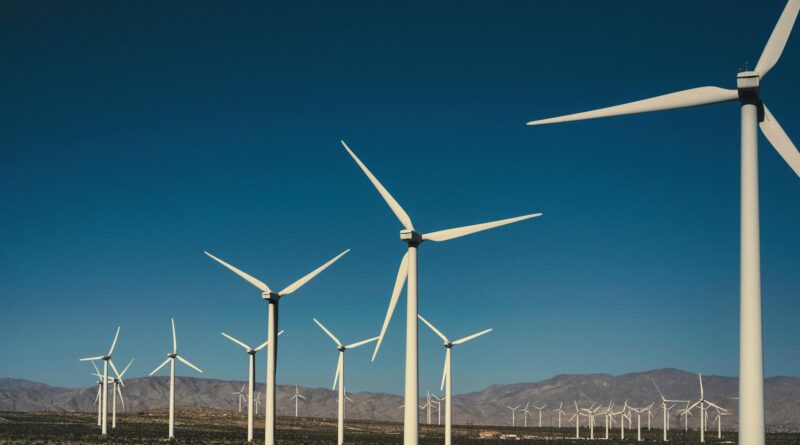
<point x="408" y="270"/>
<point x="447" y="374"/>
<point x="590" y="413"/>
<point x="106" y="361"/>
<point x="621" y="414"/>
<point x="251" y="380"/>
<point x="526" y="413"/>
<point x="272" y="332"/>
<point x="296" y="397"/>
<point x="438" y="408"/>
<point x="171" y="360"/>
<point x="540" y="408"/>
<point x="258" y="402"/>
<point x="577" y="418"/>
<point x="639" y="412"/>
<point x="428" y="406"/>
<point x="99" y="398"/>
<point x="513" y="414"/>
<point x="753" y="113"/>
<point x="340" y="374"/>
<point x="560" y="412"/>
<point x="702" y="403"/>
<point x="607" y="414"/>
<point x="665" y="409"/>
<point x="240" y="394"/>
<point x="116" y="390"/>
<point x="718" y="421"/>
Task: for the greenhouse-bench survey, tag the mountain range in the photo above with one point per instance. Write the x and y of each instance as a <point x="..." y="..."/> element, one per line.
<point x="487" y="407"/>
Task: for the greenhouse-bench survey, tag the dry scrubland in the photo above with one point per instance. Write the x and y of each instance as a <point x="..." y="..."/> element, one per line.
<point x="205" y="426"/>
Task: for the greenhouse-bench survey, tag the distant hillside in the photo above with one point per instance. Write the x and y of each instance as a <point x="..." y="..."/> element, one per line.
<point x="484" y="407"/>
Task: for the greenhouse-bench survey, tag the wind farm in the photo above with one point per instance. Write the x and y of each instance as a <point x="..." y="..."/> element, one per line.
<point x="621" y="280"/>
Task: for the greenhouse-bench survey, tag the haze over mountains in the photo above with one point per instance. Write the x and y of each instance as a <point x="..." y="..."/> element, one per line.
<point x="484" y="407"/>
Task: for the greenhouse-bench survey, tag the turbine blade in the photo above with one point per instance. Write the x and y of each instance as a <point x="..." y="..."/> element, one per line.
<point x="160" y="366"/>
<point x="302" y="397"/>
<point x="780" y="140"/>
<point x="393" y="204"/>
<point x="700" y="376"/>
<point x="262" y="345"/>
<point x="299" y="283"/>
<point x="399" y="282"/>
<point x="99" y="357"/>
<point x="250" y="279"/>
<point x="682" y="99"/>
<point x="361" y="343"/>
<point x="333" y="337"/>
<point x="174" y="338"/>
<point x="433" y="328"/>
<point x="338" y="370"/>
<point x="126" y="369"/>
<point x="470" y="337"/>
<point x="186" y="362"/>
<point x="121" y="399"/>
<point x="114" y="343"/>
<point x="444" y="371"/>
<point x="240" y="343"/>
<point x="97" y="371"/>
<point x="444" y="235"/>
<point x="111" y="362"/>
<point x="659" y="391"/>
<point x="777" y="40"/>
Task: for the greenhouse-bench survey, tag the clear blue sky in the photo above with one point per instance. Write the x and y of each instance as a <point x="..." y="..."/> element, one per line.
<point x="134" y="136"/>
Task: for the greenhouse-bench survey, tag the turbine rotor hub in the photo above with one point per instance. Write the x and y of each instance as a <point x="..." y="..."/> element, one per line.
<point x="413" y="238"/>
<point x="448" y="345"/>
<point x="747" y="84"/>
<point x="272" y="297"/>
<point x="172" y="355"/>
<point x="341" y="348"/>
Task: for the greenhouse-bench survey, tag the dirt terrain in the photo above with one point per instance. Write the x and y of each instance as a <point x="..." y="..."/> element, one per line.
<point x="212" y="426"/>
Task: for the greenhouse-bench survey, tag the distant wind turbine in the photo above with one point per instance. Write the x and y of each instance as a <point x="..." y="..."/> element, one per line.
<point x="408" y="272"/>
<point x="447" y="375"/>
<point x="171" y="360"/>
<point x="106" y="361"/>
<point x="340" y="373"/>
<point x="296" y="397"/>
<point x="272" y="332"/>
<point x="251" y="380"/>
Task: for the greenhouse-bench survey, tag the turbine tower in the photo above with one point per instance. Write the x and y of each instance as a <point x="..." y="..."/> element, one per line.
<point x="339" y="377"/>
<point x="272" y="333"/>
<point x="171" y="360"/>
<point x="753" y="114"/>
<point x="251" y="381"/>
<point x="104" y="398"/>
<point x="118" y="383"/>
<point x="560" y="412"/>
<point x="296" y="397"/>
<point x="447" y="373"/>
<point x="408" y="269"/>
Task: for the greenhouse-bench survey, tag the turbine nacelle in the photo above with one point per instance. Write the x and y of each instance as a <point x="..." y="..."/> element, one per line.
<point x="411" y="237"/>
<point x="172" y="355"/>
<point x="748" y="85"/>
<point x="270" y="296"/>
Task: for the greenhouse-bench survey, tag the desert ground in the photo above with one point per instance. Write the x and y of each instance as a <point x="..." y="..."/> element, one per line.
<point x="211" y="426"/>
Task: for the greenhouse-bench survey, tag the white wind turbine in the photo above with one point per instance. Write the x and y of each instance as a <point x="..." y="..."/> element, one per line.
<point x="99" y="398"/>
<point x="621" y="414"/>
<point x="608" y="419"/>
<point x="702" y="404"/>
<point x="251" y="380"/>
<point x="639" y="412"/>
<point x="240" y="396"/>
<point x="339" y="377"/>
<point x="296" y="397"/>
<point x="526" y="412"/>
<point x="753" y="113"/>
<point x="428" y="405"/>
<point x="513" y="414"/>
<point x="106" y="361"/>
<point x="272" y="332"/>
<point x="718" y="421"/>
<point x="118" y="383"/>
<point x="408" y="270"/>
<point x="560" y="412"/>
<point x="540" y="408"/>
<point x="447" y="373"/>
<point x="665" y="409"/>
<point x="591" y="412"/>
<point x="258" y="402"/>
<point x="171" y="360"/>
<point x="438" y="408"/>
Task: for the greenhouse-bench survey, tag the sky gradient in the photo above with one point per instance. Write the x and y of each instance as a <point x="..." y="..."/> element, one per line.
<point x="135" y="136"/>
